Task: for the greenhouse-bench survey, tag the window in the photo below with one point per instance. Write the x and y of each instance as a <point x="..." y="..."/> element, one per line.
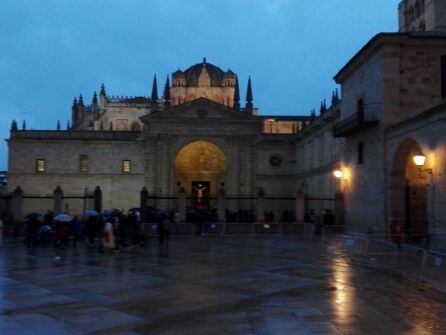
<point x="126" y="166"/>
<point x="40" y="165"/>
<point x="443" y="76"/>
<point x="122" y="125"/>
<point x="83" y="163"/>
<point x="360" y="153"/>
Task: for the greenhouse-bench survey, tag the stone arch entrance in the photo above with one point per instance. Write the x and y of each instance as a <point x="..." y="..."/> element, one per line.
<point x="200" y="168"/>
<point x="409" y="192"/>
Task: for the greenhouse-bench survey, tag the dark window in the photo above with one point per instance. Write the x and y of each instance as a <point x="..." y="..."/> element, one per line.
<point x="83" y="163"/>
<point x="360" y="153"/>
<point x="360" y="109"/>
<point x="443" y="76"/>
<point x="40" y="165"/>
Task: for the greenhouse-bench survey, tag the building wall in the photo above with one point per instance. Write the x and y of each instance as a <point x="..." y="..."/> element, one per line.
<point x="424" y="130"/>
<point x="317" y="154"/>
<point x="120" y="190"/>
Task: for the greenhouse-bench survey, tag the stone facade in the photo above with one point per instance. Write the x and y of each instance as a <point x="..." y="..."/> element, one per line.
<point x="153" y="155"/>
<point x="422" y="15"/>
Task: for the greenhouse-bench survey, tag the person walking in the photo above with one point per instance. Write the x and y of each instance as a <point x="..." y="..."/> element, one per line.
<point x="91" y="228"/>
<point x="76" y="229"/>
<point x="107" y="239"/>
<point x="32" y="231"/>
<point x="397" y="232"/>
<point x="166" y="227"/>
<point x="62" y="235"/>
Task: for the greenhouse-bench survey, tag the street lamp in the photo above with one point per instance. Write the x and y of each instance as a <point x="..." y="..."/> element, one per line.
<point x="419" y="159"/>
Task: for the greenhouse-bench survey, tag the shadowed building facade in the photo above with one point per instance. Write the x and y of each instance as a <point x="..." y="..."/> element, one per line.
<point x="196" y="133"/>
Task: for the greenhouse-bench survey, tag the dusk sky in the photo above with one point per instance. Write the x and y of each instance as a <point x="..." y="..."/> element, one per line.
<point x="51" y="51"/>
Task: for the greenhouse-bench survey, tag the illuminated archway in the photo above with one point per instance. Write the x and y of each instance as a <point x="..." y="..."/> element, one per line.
<point x="409" y="191"/>
<point x="201" y="163"/>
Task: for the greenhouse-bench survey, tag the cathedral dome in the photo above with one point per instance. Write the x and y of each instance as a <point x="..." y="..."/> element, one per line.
<point x="193" y="73"/>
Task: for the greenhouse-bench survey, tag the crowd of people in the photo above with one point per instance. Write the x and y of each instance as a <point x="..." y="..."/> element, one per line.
<point x="109" y="230"/>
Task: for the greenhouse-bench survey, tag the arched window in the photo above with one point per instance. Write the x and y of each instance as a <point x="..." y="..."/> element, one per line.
<point x="411" y="14"/>
<point x="417" y="9"/>
<point x="135" y="126"/>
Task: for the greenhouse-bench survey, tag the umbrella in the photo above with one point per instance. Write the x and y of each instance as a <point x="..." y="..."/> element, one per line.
<point x="32" y="216"/>
<point x="63" y="218"/>
<point x="91" y="213"/>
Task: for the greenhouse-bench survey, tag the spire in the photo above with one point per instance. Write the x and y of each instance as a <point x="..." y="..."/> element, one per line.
<point x="74" y="104"/>
<point x="321" y="110"/>
<point x="154" y="96"/>
<point x="14" y="125"/>
<point x="81" y="100"/>
<point x="94" y="102"/>
<point x="166" y="94"/>
<point x="68" y="125"/>
<point x="337" y="95"/>
<point x="102" y="92"/>
<point x="236" y="104"/>
<point x="333" y="98"/>
<point x="204" y="60"/>
<point x="58" y="124"/>
<point x="24" y="125"/>
<point x="249" y="98"/>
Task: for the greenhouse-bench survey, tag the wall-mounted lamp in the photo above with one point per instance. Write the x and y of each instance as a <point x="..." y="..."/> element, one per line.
<point x="338" y="174"/>
<point x="419" y="159"/>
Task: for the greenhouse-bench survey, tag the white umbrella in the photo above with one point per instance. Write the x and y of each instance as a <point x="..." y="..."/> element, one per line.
<point x="63" y="218"/>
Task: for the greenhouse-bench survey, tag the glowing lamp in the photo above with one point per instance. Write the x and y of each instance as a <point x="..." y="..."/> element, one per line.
<point x="419" y="159"/>
<point x="338" y="174"/>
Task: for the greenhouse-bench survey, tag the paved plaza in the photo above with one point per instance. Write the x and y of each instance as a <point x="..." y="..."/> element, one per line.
<point x="208" y="286"/>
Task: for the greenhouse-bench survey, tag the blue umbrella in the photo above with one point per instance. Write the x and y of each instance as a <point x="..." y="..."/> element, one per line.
<point x="91" y="212"/>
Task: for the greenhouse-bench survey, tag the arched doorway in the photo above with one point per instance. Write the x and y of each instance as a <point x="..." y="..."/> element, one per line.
<point x="200" y="168"/>
<point x="409" y="192"/>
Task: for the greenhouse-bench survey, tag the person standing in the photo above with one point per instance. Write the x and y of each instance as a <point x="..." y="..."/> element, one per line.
<point x="396" y="232"/>
<point x="76" y="228"/>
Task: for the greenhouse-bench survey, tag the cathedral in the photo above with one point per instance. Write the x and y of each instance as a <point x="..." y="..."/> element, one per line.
<point x="374" y="155"/>
<point x="196" y="133"/>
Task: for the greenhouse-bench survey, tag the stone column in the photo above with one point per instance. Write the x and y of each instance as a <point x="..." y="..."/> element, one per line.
<point x="222" y="204"/>
<point x="98" y="199"/>
<point x="182" y="205"/>
<point x="58" y="200"/>
<point x="300" y="207"/>
<point x="143" y="204"/>
<point x="260" y="205"/>
<point x="17" y="201"/>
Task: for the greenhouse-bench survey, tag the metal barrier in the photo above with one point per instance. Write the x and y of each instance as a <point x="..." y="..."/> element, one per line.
<point x="409" y="260"/>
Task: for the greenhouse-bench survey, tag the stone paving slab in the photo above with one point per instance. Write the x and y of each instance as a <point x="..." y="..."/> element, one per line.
<point x="196" y="286"/>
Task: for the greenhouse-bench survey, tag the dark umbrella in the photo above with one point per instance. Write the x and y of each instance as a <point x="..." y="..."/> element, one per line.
<point x="32" y="216"/>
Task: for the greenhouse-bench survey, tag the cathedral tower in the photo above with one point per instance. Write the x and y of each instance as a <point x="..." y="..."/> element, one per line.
<point x="422" y="15"/>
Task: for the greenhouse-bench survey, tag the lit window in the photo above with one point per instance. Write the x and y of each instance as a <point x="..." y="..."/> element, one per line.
<point x="126" y="166"/>
<point x="83" y="163"/>
<point x="40" y="165"/>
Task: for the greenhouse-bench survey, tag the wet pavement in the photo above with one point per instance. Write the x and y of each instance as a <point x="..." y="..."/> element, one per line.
<point x="208" y="286"/>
